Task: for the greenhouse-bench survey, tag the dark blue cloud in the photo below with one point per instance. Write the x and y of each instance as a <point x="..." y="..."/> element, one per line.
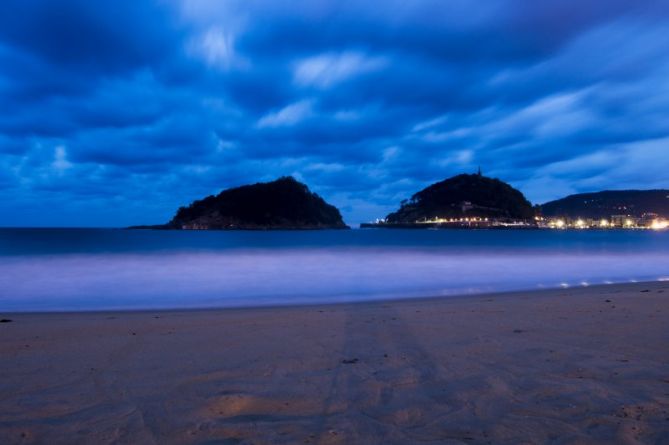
<point x="117" y="113"/>
<point x="87" y="36"/>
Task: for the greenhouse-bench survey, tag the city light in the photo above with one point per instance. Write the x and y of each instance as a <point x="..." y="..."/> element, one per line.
<point x="659" y="224"/>
<point x="647" y="221"/>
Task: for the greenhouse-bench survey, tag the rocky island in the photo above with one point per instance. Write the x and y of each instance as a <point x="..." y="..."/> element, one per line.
<point x="281" y="204"/>
<point x="463" y="201"/>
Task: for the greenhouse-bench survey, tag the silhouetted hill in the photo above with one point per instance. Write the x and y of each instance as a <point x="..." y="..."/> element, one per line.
<point x="281" y="204"/>
<point x="607" y="203"/>
<point x="464" y="196"/>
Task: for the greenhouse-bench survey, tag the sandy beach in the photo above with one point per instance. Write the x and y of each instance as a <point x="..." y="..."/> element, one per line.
<point x="572" y="366"/>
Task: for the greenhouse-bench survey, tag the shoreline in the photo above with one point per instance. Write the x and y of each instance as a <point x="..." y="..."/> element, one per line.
<point x="576" y="365"/>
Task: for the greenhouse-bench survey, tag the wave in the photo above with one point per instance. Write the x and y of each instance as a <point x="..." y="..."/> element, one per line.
<point x="297" y="276"/>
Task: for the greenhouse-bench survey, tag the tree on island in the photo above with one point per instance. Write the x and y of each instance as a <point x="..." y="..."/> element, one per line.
<point x="281" y="204"/>
<point x="466" y="195"/>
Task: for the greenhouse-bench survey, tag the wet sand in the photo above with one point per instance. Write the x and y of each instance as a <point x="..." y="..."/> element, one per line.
<point x="575" y="366"/>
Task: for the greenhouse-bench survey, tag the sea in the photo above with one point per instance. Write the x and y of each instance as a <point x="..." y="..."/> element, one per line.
<point x="119" y="269"/>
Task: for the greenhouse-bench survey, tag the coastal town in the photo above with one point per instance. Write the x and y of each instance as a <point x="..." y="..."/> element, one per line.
<point x="647" y="221"/>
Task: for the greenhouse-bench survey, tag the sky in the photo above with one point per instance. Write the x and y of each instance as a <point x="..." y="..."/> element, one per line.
<point x="117" y="113"/>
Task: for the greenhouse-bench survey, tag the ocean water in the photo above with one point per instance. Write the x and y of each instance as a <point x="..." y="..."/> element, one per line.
<point x="93" y="269"/>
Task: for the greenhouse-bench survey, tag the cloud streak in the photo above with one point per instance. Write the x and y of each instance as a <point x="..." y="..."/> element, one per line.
<point x="143" y="105"/>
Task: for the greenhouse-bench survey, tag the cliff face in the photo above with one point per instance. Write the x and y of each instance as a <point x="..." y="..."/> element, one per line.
<point x="607" y="203"/>
<point x="464" y="196"/>
<point x="281" y="204"/>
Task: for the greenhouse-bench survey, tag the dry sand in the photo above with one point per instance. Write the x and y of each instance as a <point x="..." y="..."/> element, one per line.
<point x="578" y="366"/>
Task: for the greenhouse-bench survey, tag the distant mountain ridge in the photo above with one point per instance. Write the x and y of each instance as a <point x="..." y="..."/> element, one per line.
<point x="281" y="204"/>
<point x="610" y="202"/>
<point x="465" y="195"/>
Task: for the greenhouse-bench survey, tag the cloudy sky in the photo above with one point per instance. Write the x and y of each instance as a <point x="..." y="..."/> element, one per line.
<point x="115" y="113"/>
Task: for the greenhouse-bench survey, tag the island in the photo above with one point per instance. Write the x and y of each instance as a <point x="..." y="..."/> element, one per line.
<point x="463" y="201"/>
<point x="283" y="204"/>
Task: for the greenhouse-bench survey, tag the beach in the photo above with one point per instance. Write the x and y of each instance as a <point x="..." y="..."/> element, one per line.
<point x="583" y="365"/>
